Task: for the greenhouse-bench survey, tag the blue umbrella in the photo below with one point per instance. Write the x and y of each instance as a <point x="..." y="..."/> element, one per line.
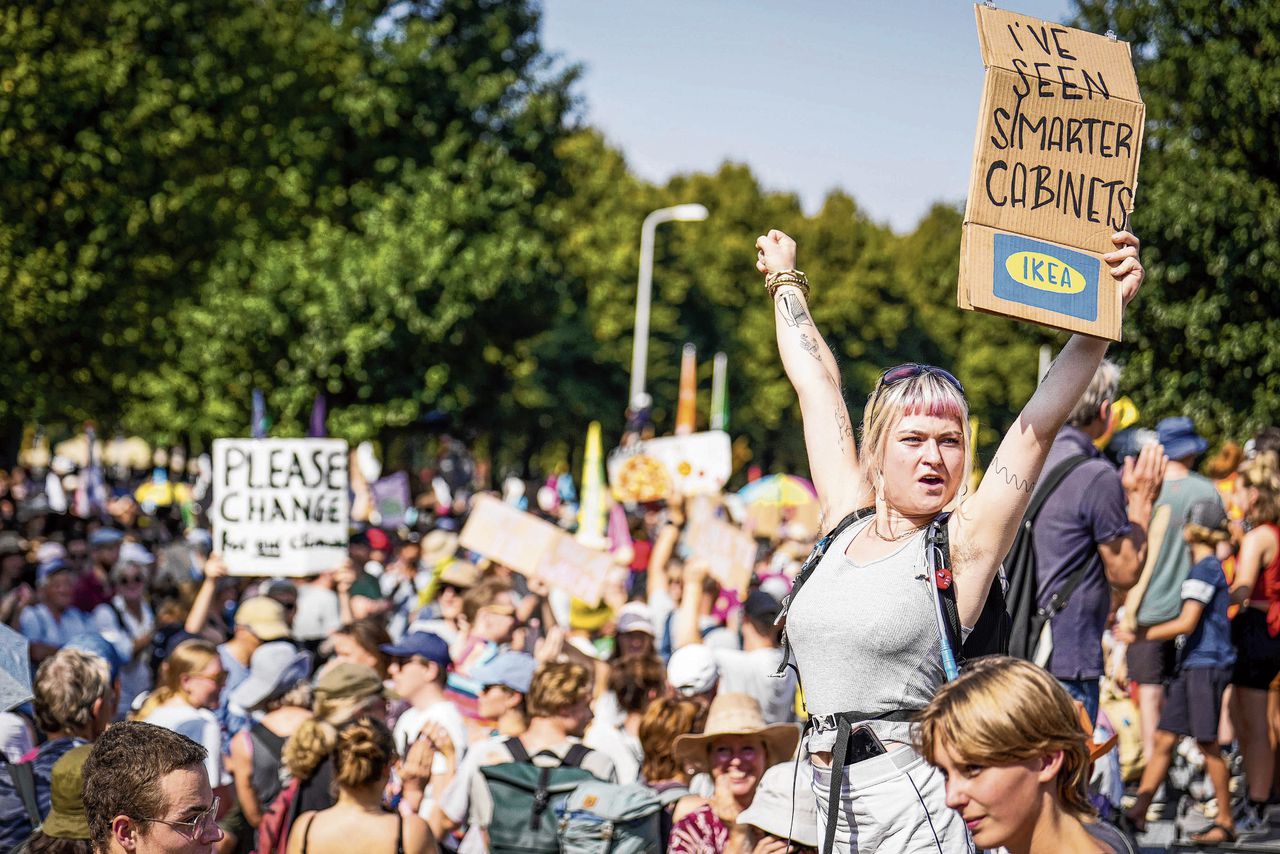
<point x="15" y="669"/>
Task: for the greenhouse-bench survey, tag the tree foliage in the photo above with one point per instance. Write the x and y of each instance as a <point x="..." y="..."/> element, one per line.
<point x="1204" y="337"/>
<point x="391" y="203"/>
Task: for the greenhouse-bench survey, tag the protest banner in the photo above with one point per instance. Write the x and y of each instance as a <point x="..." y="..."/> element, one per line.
<point x="280" y="505"/>
<point x="534" y="547"/>
<point x="1054" y="174"/>
<point x="390" y="500"/>
<point x="696" y="464"/>
<point x="507" y="535"/>
<point x="580" y="571"/>
<point x="729" y="551"/>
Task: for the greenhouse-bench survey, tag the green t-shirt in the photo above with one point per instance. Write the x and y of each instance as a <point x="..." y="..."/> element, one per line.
<point x="1163" y="599"/>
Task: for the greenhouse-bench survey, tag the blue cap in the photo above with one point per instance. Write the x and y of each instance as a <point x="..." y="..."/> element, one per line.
<point x="1179" y="437"/>
<point x="512" y="670"/>
<point x="96" y="644"/>
<point x="49" y="567"/>
<point x="422" y="644"/>
<point x="105" y="537"/>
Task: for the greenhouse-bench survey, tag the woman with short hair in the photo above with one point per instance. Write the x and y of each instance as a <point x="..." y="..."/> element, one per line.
<point x="866" y="627"/>
<point x="1009" y="742"/>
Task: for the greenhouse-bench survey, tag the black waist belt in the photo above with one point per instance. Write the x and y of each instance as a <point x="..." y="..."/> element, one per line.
<point x="844" y="729"/>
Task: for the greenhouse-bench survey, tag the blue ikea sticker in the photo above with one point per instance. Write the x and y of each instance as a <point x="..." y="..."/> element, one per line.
<point x="1046" y="276"/>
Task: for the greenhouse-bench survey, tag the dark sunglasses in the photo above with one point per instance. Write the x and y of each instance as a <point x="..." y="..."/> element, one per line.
<point x="910" y="370"/>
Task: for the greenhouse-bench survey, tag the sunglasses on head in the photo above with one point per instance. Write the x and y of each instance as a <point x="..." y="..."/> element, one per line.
<point x="911" y="370"/>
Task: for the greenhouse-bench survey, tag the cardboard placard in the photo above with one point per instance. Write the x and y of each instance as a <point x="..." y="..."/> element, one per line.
<point x="696" y="464"/>
<point x="507" y="535"/>
<point x="580" y="571"/>
<point x="730" y="551"/>
<point x="534" y="547"/>
<point x="280" y="505"/>
<point x="1055" y="170"/>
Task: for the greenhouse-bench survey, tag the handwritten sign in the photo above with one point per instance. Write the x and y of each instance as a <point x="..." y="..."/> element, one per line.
<point x="1054" y="174"/>
<point x="280" y="505"/>
<point x="534" y="547"/>
<point x="694" y="464"/>
<point x="729" y="551"/>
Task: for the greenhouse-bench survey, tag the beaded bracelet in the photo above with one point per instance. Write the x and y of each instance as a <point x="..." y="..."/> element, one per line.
<point x="797" y="279"/>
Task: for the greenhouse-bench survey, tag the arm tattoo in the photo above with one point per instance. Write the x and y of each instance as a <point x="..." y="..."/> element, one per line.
<point x="792" y="310"/>
<point x="810" y="346"/>
<point x="1011" y="478"/>
<point x="844" y="427"/>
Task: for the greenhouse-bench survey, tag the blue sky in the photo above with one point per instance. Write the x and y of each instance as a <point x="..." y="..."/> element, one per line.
<point x="880" y="99"/>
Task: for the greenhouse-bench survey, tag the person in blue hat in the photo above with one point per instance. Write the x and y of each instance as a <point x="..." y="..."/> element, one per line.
<point x="1151" y="662"/>
<point x="419" y="666"/>
<point x="504" y="683"/>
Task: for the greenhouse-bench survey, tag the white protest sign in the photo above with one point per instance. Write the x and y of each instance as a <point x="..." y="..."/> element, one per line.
<point x="694" y="464"/>
<point x="280" y="505"/>
<point x="729" y="551"/>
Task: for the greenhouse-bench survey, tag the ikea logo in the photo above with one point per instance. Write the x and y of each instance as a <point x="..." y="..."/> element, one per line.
<point x="1045" y="276"/>
<point x="1038" y="270"/>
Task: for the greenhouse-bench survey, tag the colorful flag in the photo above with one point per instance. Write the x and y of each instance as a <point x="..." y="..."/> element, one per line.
<point x="720" y="392"/>
<point x="319" y="413"/>
<point x="258" y="420"/>
<point x="591" y="513"/>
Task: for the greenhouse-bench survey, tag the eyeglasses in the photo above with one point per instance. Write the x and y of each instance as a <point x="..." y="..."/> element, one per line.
<point x="131" y="579"/>
<point x="199" y="827"/>
<point x="910" y="370"/>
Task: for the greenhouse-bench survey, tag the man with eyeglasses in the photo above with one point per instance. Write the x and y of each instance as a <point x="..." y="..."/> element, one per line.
<point x="146" y="792"/>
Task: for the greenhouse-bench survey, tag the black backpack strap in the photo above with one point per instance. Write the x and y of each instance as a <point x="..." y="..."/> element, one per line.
<point x="577" y="753"/>
<point x="811" y="564"/>
<point x="516" y="748"/>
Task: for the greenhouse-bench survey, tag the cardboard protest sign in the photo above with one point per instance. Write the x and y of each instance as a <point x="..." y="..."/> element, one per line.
<point x="580" y="571"/>
<point x="280" y="505"/>
<point x="1055" y="170"/>
<point x="730" y="551"/>
<point x="390" y="499"/>
<point x="696" y="464"/>
<point x="507" y="535"/>
<point x="534" y="547"/>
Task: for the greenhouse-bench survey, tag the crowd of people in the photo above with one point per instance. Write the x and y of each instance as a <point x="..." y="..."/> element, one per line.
<point x="421" y="697"/>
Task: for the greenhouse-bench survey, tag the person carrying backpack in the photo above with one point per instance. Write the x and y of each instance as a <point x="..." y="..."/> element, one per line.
<point x="873" y="620"/>
<point x="508" y="792"/>
<point x="1090" y="535"/>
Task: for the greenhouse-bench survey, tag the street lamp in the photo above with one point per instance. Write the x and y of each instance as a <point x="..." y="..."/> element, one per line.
<point x="640" y="348"/>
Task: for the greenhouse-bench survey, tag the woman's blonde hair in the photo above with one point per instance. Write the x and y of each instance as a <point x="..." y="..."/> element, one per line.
<point x="1002" y="711"/>
<point x="190" y="656"/>
<point x="315" y="738"/>
<point x="926" y="393"/>
<point x="1263" y="474"/>
<point x="364" y="751"/>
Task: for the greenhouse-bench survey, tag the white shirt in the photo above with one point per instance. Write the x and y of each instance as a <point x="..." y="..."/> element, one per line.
<point x="135" y="676"/>
<point x="410" y="725"/>
<point x="200" y="726"/>
<point x="752" y="673"/>
<point x="318" y="614"/>
<point x="38" y="624"/>
<point x="620" y="746"/>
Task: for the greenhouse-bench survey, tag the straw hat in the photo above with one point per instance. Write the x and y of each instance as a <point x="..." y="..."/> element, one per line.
<point x="737" y="714"/>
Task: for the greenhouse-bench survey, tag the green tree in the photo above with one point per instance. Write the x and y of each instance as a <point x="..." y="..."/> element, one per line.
<point x="1203" y="339"/>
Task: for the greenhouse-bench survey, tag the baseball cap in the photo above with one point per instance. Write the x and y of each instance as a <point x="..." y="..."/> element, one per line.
<point x="263" y="616"/>
<point x="512" y="670"/>
<point x="348" y="679"/>
<point x="49" y="552"/>
<point x="1207" y="514"/>
<point x="761" y="606"/>
<point x="105" y="537"/>
<point x="634" y="617"/>
<point x="692" y="670"/>
<point x="47" y="569"/>
<point x="426" y="645"/>
<point x="273" y="668"/>
<point x="136" y="553"/>
<point x="66" y="819"/>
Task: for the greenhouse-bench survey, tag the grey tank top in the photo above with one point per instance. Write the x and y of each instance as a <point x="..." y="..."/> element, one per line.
<point x="865" y="638"/>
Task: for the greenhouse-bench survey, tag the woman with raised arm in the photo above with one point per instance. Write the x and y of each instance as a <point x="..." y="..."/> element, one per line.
<point x="865" y="628"/>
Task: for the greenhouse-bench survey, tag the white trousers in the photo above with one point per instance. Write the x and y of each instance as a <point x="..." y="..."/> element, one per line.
<point x="892" y="804"/>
